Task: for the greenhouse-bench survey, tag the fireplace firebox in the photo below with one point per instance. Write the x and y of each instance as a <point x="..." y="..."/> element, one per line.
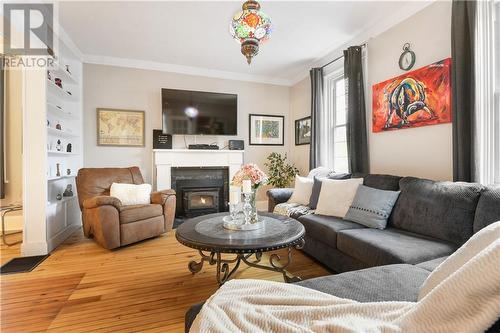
<point x="200" y="190"/>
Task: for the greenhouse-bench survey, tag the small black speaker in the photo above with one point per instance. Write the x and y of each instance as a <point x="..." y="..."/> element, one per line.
<point x="236" y="144"/>
<point x="161" y="141"/>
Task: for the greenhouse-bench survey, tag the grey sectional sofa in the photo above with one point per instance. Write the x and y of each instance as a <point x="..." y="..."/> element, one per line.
<point x="430" y="220"/>
<point x="399" y="282"/>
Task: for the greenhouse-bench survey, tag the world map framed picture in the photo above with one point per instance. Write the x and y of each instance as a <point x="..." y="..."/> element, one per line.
<point x="266" y="130"/>
<point x="124" y="128"/>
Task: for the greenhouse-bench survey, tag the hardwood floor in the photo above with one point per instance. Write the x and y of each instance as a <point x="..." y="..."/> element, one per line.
<point x="145" y="287"/>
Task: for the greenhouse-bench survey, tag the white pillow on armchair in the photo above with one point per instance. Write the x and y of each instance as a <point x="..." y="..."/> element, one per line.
<point x="131" y="194"/>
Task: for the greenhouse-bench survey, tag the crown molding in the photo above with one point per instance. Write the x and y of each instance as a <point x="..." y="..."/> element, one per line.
<point x="373" y="31"/>
<point x="181" y="69"/>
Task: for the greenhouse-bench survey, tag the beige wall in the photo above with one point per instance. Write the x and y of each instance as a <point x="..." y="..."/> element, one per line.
<point x="137" y="89"/>
<point x="300" y="107"/>
<point x="424" y="151"/>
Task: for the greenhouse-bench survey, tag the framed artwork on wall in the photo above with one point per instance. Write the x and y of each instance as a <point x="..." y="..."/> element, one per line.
<point x="418" y="98"/>
<point x="266" y="130"/>
<point x="123" y="128"/>
<point x="303" y="131"/>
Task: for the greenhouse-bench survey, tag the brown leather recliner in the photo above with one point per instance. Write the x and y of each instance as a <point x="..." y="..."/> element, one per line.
<point x="109" y="222"/>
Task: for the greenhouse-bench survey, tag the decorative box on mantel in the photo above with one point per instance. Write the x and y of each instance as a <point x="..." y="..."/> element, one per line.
<point x="166" y="159"/>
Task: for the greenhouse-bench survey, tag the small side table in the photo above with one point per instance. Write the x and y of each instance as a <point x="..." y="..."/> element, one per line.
<point x="6" y="210"/>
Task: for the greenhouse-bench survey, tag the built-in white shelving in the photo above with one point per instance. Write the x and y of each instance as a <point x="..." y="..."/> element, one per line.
<point x="56" y="152"/>
<point x="51" y="179"/>
<point x="61" y="133"/>
<point x="59" y="112"/>
<point x="62" y="201"/>
<point x="64" y="128"/>
<point x="60" y="93"/>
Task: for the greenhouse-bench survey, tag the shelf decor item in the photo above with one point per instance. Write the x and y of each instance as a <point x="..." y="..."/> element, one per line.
<point x="58" y="170"/>
<point x="59" y="145"/>
<point x="69" y="148"/>
<point x="68" y="192"/>
<point x="250" y="177"/>
<point x="250" y="27"/>
<point x="266" y="130"/>
<point x="124" y="128"/>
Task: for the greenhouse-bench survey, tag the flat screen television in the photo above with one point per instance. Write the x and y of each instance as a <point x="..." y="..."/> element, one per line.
<point x="199" y="112"/>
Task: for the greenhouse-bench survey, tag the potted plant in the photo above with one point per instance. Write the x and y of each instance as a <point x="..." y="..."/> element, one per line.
<point x="281" y="173"/>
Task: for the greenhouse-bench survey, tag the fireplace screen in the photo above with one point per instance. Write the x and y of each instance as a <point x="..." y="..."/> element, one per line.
<point x="201" y="199"/>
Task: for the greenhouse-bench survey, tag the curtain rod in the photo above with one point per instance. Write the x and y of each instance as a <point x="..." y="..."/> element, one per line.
<point x="338" y="58"/>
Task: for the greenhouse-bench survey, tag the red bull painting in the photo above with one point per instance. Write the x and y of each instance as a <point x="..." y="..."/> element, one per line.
<point x="418" y="98"/>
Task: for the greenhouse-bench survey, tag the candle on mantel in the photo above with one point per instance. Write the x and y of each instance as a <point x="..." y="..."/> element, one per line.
<point x="234" y="197"/>
<point x="247" y="186"/>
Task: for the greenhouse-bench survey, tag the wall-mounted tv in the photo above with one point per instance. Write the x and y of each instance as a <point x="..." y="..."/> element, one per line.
<point x="199" y="113"/>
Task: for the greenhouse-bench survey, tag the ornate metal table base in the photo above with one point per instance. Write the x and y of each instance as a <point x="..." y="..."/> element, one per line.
<point x="224" y="272"/>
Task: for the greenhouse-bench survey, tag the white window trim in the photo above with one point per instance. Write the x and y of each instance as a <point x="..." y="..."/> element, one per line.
<point x="330" y="80"/>
<point x="487" y="100"/>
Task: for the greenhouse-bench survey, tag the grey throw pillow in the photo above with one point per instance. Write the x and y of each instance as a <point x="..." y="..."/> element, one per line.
<point x="372" y="207"/>
<point x="316" y="189"/>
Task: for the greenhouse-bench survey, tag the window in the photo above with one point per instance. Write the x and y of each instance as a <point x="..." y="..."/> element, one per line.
<point x="336" y="116"/>
<point x="487" y="50"/>
<point x="496" y="65"/>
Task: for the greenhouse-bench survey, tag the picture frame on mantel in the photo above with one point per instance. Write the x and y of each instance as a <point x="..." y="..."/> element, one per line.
<point x="266" y="130"/>
<point x="121" y="128"/>
<point x="303" y="131"/>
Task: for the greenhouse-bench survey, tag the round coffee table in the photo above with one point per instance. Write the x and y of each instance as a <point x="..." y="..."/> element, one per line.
<point x="206" y="234"/>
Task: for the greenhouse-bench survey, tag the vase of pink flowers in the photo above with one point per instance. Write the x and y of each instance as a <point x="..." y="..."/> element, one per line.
<point x="250" y="177"/>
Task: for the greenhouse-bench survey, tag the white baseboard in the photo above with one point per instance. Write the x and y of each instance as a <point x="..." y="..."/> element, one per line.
<point x="61" y="236"/>
<point x="34" y="249"/>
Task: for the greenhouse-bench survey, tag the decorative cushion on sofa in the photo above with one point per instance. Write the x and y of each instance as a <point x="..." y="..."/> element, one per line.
<point x="372" y="207"/>
<point x="302" y="191"/>
<point x="382" y="182"/>
<point x="316" y="189"/>
<point x="292" y="209"/>
<point x="488" y="208"/>
<point x="325" y="228"/>
<point x="391" y="246"/>
<point x="443" y="210"/>
<point x="336" y="196"/>
<point x="131" y="194"/>
<point x="320" y="172"/>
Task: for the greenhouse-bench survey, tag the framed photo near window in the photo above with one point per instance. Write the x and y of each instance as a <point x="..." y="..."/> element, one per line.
<point x="123" y="128"/>
<point x="266" y="130"/>
<point x="303" y="131"/>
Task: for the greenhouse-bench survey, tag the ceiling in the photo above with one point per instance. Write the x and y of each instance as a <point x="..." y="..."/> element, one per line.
<point x="195" y="34"/>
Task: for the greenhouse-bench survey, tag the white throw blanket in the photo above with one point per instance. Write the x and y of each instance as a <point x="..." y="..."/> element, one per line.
<point x="460" y="295"/>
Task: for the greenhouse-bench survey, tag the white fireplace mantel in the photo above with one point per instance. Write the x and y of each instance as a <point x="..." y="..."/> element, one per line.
<point x="166" y="159"/>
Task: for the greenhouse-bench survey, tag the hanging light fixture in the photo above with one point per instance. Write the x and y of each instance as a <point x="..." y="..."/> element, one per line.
<point x="249" y="27"/>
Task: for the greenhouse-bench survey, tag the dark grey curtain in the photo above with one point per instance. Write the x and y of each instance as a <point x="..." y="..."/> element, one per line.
<point x="463" y="14"/>
<point x="357" y="142"/>
<point x="316" y="116"/>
